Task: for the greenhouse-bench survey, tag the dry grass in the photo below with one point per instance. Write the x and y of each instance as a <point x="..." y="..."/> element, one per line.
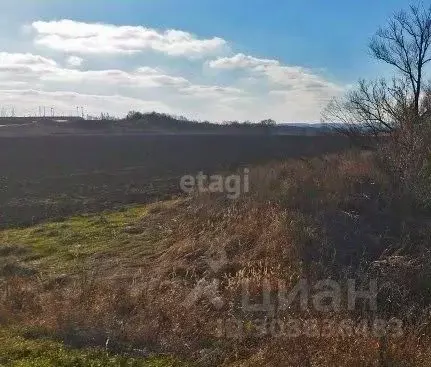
<point x="312" y="219"/>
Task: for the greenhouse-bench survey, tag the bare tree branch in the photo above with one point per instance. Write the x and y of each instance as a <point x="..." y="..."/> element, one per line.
<point x="405" y="44"/>
<point x="382" y="107"/>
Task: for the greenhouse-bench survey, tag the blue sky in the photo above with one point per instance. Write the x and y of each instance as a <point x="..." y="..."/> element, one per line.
<point x="257" y="58"/>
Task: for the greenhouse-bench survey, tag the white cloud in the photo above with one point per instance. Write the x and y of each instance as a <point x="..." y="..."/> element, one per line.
<point x="280" y="92"/>
<point x="25" y="58"/>
<point x="205" y="91"/>
<point x="139" y="78"/>
<point x="42" y="82"/>
<point x="295" y="77"/>
<point x="75" y="61"/>
<point x="241" y="61"/>
<point x="35" y="68"/>
<point x="25" y="61"/>
<point x="96" y="38"/>
<point x="20" y="68"/>
<point x="292" y="91"/>
<point x="240" y="87"/>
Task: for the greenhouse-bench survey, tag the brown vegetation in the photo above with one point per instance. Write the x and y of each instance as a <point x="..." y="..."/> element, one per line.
<point x="336" y="217"/>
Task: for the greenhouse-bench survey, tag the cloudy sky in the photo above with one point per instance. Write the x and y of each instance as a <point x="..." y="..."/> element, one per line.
<point x="205" y="59"/>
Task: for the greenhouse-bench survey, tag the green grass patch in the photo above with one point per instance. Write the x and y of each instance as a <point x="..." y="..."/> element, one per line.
<point x="17" y="351"/>
<point x="56" y="246"/>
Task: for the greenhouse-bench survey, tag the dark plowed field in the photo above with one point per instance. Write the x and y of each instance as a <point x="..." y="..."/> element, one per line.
<point x="56" y="176"/>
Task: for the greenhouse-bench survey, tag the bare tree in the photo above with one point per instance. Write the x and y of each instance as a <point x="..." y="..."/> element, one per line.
<point x="384" y="107"/>
<point x="405" y="44"/>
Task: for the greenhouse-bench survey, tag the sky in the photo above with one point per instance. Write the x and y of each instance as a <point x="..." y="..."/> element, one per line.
<point x="214" y="60"/>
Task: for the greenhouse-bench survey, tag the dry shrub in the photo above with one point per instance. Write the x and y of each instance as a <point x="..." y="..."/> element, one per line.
<point x="405" y="158"/>
<point x="342" y="352"/>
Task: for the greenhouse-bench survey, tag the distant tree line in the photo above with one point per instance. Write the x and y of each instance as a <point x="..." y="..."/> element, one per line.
<point x="154" y="120"/>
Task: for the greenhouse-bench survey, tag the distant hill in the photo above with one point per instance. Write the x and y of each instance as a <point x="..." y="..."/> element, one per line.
<point x="152" y="123"/>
